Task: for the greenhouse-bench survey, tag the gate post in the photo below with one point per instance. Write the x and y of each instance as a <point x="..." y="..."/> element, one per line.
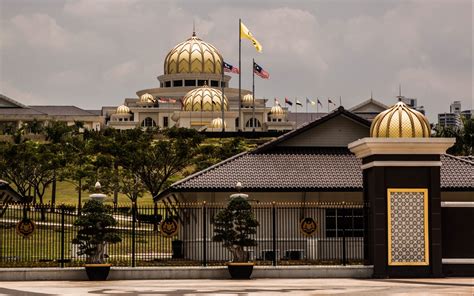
<point x="204" y="234"/>
<point x="62" y="236"/>
<point x="344" y="260"/>
<point x="401" y="180"/>
<point x="274" y="234"/>
<point x="134" y="218"/>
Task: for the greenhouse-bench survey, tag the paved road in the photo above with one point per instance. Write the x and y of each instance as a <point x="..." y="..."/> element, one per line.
<point x="447" y="286"/>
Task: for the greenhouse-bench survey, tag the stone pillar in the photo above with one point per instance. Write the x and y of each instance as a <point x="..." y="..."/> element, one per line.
<point x="401" y="179"/>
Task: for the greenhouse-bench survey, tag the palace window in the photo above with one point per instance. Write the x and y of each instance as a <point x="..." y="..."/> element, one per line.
<point x="168" y="84"/>
<point x="201" y="82"/>
<point x="177" y="83"/>
<point x="351" y="220"/>
<point x="253" y="122"/>
<point x="148" y="122"/>
<point x="165" y="121"/>
<point x="215" y="83"/>
<point x="190" y="83"/>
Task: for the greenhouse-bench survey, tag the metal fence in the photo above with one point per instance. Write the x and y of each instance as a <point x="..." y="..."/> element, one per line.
<point x="288" y="234"/>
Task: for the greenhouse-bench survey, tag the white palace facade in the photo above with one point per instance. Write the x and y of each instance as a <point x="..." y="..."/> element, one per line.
<point x="194" y="93"/>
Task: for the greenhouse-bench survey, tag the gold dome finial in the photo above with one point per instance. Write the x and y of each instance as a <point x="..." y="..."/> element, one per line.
<point x="400" y="121"/>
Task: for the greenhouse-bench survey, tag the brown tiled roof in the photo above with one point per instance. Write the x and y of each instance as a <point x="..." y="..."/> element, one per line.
<point x="330" y="170"/>
<point x="456" y="173"/>
<point x="63" y="110"/>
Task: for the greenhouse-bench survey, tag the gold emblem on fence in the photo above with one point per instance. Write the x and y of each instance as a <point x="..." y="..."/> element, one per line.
<point x="169" y="227"/>
<point x="25" y="227"/>
<point x="308" y="226"/>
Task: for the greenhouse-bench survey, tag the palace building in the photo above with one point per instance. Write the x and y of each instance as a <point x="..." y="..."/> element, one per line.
<point x="193" y="92"/>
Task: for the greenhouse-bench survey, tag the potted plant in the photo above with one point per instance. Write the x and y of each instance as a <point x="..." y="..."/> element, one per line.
<point x="233" y="226"/>
<point x="93" y="236"/>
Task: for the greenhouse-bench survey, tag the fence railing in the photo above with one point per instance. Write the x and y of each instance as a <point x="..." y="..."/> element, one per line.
<point x="289" y="234"/>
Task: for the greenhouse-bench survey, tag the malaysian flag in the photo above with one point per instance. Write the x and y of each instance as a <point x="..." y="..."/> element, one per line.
<point x="288" y="102"/>
<point x="260" y="72"/>
<point x="230" y="68"/>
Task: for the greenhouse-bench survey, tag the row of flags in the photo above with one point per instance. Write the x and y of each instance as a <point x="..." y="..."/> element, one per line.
<point x="308" y="101"/>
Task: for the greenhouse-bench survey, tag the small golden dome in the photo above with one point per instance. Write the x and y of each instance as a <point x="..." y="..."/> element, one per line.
<point x="193" y="56"/>
<point x="122" y="110"/>
<point x="247" y="100"/>
<point x="400" y="121"/>
<point x="204" y="99"/>
<point x="277" y="112"/>
<point x="217" y="123"/>
<point x="147" y="98"/>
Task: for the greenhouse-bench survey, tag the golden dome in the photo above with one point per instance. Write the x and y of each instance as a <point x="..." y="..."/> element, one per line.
<point x="147" y="98"/>
<point x="247" y="100"/>
<point x="217" y="123"/>
<point x="193" y="56"/>
<point x="204" y="99"/>
<point x="122" y="110"/>
<point x="277" y="112"/>
<point x="400" y="121"/>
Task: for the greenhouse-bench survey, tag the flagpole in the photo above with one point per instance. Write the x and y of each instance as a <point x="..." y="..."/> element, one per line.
<point x="222" y="99"/>
<point x="328" y="105"/>
<point x="296" y="110"/>
<point x="253" y="95"/>
<point x="240" y="78"/>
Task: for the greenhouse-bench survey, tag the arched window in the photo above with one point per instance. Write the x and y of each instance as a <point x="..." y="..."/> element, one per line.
<point x="148" y="122"/>
<point x="253" y="122"/>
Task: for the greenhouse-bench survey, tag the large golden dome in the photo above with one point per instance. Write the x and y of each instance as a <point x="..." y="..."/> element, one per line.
<point x="400" y="121"/>
<point x="193" y="56"/>
<point x="204" y="99"/>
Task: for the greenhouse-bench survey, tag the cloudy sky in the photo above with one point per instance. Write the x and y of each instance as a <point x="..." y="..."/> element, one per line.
<point x="94" y="53"/>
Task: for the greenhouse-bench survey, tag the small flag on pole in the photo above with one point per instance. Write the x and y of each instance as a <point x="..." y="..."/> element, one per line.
<point x="298" y="103"/>
<point x="288" y="102"/>
<point x="230" y="68"/>
<point x="310" y="102"/>
<point x="245" y="33"/>
<point x="331" y="102"/>
<point x="276" y="102"/>
<point x="319" y="103"/>
<point x="260" y="72"/>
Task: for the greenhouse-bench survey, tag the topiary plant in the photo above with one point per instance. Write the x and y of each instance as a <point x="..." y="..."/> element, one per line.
<point x="234" y="225"/>
<point x="96" y="231"/>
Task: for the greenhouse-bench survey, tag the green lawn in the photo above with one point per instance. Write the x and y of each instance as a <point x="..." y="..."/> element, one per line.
<point x="66" y="194"/>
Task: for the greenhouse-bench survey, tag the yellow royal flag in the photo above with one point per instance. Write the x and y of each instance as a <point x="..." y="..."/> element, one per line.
<point x="245" y="33"/>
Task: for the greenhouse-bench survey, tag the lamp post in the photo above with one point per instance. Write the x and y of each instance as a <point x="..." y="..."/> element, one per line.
<point x="238" y="187"/>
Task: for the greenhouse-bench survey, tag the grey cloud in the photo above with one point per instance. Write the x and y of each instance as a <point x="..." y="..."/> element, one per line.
<point x="92" y="53"/>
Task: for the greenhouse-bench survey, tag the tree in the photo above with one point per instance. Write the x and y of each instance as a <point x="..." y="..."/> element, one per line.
<point x="155" y="162"/>
<point x="464" y="137"/>
<point x="78" y="165"/>
<point x="96" y="231"/>
<point x="44" y="161"/>
<point x="234" y="226"/>
<point x="15" y="167"/>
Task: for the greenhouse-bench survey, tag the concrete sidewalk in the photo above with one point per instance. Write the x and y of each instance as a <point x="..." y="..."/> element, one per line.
<point x="445" y="286"/>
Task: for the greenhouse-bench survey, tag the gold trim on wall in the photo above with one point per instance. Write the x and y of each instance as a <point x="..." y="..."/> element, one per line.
<point x="425" y="220"/>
